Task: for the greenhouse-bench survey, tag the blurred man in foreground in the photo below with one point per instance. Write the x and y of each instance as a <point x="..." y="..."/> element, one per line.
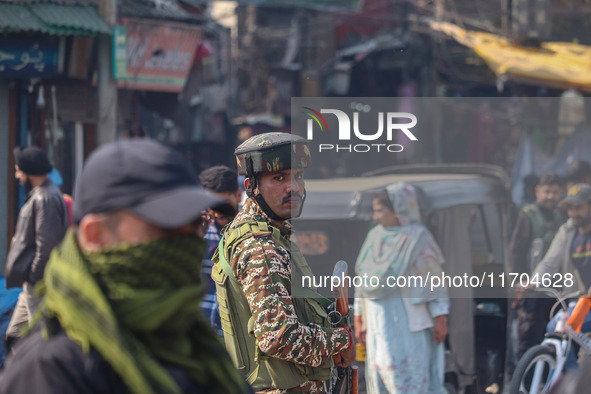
<point x="119" y="312"/>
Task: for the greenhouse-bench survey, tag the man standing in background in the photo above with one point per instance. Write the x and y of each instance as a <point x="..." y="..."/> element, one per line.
<point x="42" y="223"/>
<point x="222" y="182"/>
<point x="536" y="226"/>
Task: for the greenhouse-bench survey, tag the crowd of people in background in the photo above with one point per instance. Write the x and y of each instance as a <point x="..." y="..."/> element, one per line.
<point x="552" y="235"/>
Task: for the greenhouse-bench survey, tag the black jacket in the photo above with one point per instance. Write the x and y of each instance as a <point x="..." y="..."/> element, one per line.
<point x="42" y="224"/>
<point x="58" y="365"/>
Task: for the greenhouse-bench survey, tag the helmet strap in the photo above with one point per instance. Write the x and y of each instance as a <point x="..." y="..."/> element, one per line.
<point x="251" y="177"/>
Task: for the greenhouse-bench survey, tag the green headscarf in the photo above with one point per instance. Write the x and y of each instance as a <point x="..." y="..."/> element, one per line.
<point x="139" y="307"/>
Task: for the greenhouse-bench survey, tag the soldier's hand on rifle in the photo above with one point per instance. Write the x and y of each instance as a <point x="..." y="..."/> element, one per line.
<point x="440" y="330"/>
<point x="360" y="330"/>
<point x="344" y="359"/>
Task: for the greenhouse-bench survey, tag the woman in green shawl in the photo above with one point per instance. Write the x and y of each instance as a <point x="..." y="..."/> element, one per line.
<point x="403" y="328"/>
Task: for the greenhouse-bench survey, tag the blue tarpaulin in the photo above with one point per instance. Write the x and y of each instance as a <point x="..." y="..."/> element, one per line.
<point x="8" y="298"/>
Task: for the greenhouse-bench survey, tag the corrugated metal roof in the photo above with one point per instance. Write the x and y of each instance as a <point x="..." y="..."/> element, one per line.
<point x="57" y="19"/>
<point x="84" y="18"/>
<point x="14" y="17"/>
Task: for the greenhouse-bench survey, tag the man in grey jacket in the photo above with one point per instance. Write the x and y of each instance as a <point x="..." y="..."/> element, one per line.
<point x="42" y="223"/>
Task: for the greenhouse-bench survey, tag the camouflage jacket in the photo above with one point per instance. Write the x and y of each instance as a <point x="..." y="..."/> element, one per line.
<point x="263" y="268"/>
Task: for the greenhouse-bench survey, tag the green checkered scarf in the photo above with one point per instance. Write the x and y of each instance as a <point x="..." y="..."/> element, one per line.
<point x="139" y="306"/>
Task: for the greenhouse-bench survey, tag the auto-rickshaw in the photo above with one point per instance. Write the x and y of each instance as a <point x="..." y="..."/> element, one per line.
<point x="466" y="207"/>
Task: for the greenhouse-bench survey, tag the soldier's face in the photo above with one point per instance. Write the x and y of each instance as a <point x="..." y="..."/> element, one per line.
<point x="283" y="191"/>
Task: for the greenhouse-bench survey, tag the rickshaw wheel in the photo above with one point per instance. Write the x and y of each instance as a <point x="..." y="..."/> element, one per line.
<point x="524" y="372"/>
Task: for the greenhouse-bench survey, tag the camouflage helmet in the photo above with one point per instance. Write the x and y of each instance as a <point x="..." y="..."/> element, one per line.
<point x="270" y="152"/>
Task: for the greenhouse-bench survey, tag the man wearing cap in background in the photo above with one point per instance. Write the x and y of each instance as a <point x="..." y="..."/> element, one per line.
<point x="121" y="293"/>
<point x="570" y="251"/>
<point x="222" y="181"/>
<point x="41" y="225"/>
<point x="281" y="342"/>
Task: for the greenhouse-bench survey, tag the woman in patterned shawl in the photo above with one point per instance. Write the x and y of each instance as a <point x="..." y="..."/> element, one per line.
<point x="404" y="326"/>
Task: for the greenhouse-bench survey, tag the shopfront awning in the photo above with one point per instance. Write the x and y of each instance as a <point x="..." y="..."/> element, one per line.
<point x="50" y="18"/>
<point x="554" y="64"/>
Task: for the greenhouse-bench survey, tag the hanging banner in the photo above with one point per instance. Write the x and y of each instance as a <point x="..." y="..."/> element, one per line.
<point x="153" y="56"/>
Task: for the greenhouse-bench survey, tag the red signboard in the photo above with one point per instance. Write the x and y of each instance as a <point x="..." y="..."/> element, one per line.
<point x="154" y="55"/>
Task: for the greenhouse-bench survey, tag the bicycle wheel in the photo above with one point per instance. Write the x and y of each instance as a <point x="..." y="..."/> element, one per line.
<point x="534" y="370"/>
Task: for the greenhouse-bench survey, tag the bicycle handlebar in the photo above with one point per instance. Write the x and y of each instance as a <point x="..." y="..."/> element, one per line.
<point x="560" y="298"/>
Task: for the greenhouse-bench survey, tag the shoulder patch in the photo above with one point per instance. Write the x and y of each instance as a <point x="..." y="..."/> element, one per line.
<point x="262" y="234"/>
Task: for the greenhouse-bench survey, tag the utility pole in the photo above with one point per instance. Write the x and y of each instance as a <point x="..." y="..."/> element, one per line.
<point x="506" y="17"/>
<point x="107" y="86"/>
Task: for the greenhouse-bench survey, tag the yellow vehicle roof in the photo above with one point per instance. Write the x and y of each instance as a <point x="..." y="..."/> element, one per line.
<point x="557" y="64"/>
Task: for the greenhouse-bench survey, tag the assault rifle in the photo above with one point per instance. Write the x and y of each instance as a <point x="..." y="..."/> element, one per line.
<point x="346" y="378"/>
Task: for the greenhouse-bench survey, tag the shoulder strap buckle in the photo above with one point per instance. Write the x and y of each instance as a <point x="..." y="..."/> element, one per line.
<point x="224" y="261"/>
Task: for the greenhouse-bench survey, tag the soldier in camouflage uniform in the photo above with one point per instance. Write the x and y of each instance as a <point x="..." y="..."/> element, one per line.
<point x="281" y="343"/>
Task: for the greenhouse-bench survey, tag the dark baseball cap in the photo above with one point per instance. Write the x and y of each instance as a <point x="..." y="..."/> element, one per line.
<point x="578" y="194"/>
<point x="144" y="177"/>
